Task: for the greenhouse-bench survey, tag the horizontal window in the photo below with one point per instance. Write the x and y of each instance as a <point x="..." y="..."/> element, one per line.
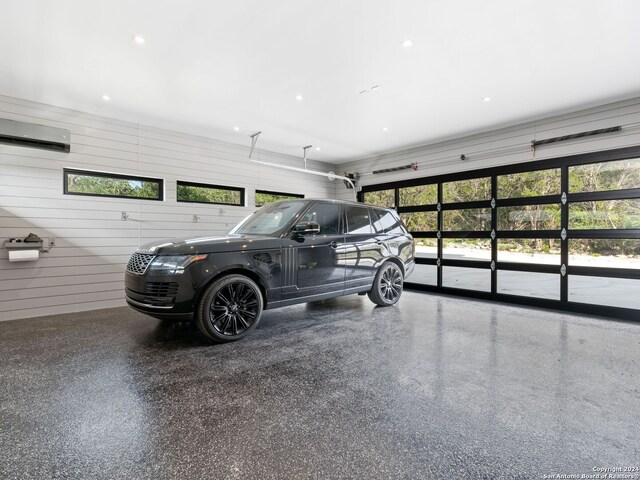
<point x="424" y="275"/>
<point x="203" y="193"/>
<point x="472" y="219"/>
<point x="382" y="198"/>
<point x="467" y="278"/>
<point x="419" y="195"/>
<point x="529" y="284"/>
<point x="613" y="214"/>
<point x="529" y="184"/>
<point x="529" y="217"/>
<point x="529" y="250"/>
<point x="467" y="190"/>
<point x="466" y="249"/>
<point x="613" y="292"/>
<point x="420" y="221"/>
<point x="263" y="197"/>
<point x="426" y="247"/>
<point x="605" y="176"/>
<point x="607" y="253"/>
<point x="99" y="184"/>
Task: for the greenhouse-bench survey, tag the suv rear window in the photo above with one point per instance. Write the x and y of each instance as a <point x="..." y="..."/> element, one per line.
<point x="358" y="220"/>
<point x="386" y="221"/>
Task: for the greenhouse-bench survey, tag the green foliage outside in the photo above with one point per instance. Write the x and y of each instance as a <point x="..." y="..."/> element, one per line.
<point x="420" y="221"/>
<point x="614" y="214"/>
<point x="606" y="176"/>
<point x="467" y="190"/>
<point x="530" y="246"/>
<point x="382" y="198"/>
<point x="472" y="219"/>
<point x="187" y="193"/>
<point x="529" y="217"/>
<point x="264" y="198"/>
<point x="597" y="177"/>
<point x="529" y="184"/>
<point x="419" y="195"/>
<point x="95" y="185"/>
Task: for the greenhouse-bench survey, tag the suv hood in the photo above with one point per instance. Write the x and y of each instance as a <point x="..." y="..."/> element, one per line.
<point x="194" y="246"/>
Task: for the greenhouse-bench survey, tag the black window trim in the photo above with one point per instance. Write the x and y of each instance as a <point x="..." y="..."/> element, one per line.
<point x="212" y="186"/>
<point x="536" y="165"/>
<point x="117" y="176"/>
<point x="346" y="220"/>
<point x="270" y="192"/>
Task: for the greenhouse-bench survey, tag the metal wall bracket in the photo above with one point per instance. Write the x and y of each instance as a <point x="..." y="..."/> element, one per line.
<point x="305" y="149"/>
<point x="196" y="218"/>
<point x="254" y="140"/>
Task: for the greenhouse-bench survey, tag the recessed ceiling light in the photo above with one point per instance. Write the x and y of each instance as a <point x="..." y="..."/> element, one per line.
<point x="486" y="99"/>
<point x="385" y="129"/>
<point x="299" y="98"/>
<point x="375" y="87"/>
<point x="236" y="129"/>
<point x="106" y="98"/>
<point x="318" y="149"/>
<point x="363" y="91"/>
<point x="407" y="43"/>
<point x="139" y="39"/>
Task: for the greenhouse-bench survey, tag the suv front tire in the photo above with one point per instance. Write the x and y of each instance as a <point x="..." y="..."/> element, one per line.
<point x="229" y="309"/>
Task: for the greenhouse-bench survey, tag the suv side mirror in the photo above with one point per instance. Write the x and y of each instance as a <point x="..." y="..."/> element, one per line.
<point x="306" y="228"/>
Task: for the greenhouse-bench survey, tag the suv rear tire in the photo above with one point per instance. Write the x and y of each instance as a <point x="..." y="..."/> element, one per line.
<point x="387" y="286"/>
<point x="229" y="309"/>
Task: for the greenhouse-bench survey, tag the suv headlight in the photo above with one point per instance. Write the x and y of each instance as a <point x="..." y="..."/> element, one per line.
<point x="173" y="264"/>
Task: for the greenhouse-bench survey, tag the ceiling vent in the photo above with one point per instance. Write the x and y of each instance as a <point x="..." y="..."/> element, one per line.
<point x="22" y="134"/>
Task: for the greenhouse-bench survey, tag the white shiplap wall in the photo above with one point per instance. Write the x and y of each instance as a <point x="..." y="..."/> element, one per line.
<point x="507" y="145"/>
<point x="85" y="269"/>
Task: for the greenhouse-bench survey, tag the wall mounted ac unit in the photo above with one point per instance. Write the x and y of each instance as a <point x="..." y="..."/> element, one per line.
<point x="34" y="136"/>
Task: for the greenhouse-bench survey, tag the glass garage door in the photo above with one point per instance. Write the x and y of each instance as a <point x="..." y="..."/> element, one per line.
<point x="561" y="233"/>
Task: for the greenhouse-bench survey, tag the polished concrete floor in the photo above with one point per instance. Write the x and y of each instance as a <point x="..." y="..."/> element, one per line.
<point x="435" y="387"/>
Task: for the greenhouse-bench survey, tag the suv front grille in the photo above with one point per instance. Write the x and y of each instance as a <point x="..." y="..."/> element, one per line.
<point x="139" y="262"/>
<point x="161" y="289"/>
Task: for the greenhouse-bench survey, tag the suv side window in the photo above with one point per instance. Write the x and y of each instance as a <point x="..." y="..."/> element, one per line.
<point x="358" y="220"/>
<point x="384" y="221"/>
<point x="327" y="215"/>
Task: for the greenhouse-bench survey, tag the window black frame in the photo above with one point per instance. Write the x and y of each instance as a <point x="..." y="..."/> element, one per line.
<point x="346" y="220"/>
<point x="269" y="192"/>
<point x="116" y="176"/>
<point x="241" y="190"/>
<point x="563" y="163"/>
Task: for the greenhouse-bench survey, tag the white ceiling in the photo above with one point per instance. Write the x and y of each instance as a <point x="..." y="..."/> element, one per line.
<point x="207" y="66"/>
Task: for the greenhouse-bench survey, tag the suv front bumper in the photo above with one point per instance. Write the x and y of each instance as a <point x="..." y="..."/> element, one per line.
<point x="165" y="297"/>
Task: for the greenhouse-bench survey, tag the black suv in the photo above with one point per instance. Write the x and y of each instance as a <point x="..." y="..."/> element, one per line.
<point x="287" y="252"/>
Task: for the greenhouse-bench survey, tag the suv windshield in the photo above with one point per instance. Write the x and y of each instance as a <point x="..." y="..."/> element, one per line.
<point x="270" y="219"/>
